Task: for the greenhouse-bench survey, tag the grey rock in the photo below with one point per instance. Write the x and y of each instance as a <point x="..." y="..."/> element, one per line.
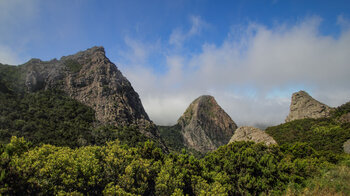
<point x="345" y="118"/>
<point x="304" y="106"/>
<point x="252" y="134"/>
<point x="92" y="79"/>
<point x="346" y="146"/>
<point x="205" y="125"/>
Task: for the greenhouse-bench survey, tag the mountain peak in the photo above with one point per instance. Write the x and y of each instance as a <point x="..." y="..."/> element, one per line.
<point x="205" y="125"/>
<point x="204" y="102"/>
<point x="95" y="49"/>
<point x="91" y="78"/>
<point x="305" y="106"/>
<point x="301" y="93"/>
<point x="205" y="97"/>
<point x="88" y="54"/>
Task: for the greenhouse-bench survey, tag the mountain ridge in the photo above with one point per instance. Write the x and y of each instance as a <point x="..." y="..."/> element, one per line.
<point x="91" y="78"/>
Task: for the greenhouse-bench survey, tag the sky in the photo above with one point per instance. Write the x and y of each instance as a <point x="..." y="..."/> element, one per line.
<point x="250" y="55"/>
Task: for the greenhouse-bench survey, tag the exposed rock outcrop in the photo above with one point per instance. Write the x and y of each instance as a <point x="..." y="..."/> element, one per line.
<point x="345" y="118"/>
<point x="205" y="125"/>
<point x="91" y="78"/>
<point x="252" y="134"/>
<point x="304" y="106"/>
<point x="346" y="146"/>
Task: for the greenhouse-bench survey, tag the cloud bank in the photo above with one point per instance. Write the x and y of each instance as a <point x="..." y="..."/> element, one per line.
<point x="252" y="73"/>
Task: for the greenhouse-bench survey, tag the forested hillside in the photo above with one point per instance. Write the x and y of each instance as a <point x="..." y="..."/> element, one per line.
<point x="324" y="134"/>
<point x="51" y="117"/>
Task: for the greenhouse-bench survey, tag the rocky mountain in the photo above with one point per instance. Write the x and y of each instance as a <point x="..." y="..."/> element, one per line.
<point x="92" y="79"/>
<point x="252" y="134"/>
<point x="304" y="106"/>
<point x="205" y="125"/>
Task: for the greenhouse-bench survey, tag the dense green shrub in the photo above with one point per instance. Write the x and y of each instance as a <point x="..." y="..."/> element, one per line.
<point x="241" y="168"/>
<point x="332" y="180"/>
<point x="321" y="134"/>
<point x="12" y="79"/>
<point x="173" y="139"/>
<point x="339" y="111"/>
<point x="51" y="117"/>
<point x="73" y="65"/>
<point x="48" y="117"/>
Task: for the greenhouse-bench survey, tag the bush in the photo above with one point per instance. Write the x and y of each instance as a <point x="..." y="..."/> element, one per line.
<point x="325" y="135"/>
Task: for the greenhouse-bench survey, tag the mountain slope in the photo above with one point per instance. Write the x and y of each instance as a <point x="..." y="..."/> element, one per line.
<point x="88" y="77"/>
<point x="323" y="134"/>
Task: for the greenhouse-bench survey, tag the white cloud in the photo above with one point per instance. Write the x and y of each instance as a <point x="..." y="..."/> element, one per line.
<point x="178" y="37"/>
<point x="343" y="22"/>
<point x="15" y="15"/>
<point x="197" y="25"/>
<point x="269" y="63"/>
<point x="7" y="56"/>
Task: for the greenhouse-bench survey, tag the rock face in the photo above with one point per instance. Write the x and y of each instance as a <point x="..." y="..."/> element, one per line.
<point x="91" y="78"/>
<point x="205" y="125"/>
<point x="304" y="106"/>
<point x="345" y="118"/>
<point x="252" y="134"/>
<point x="346" y="146"/>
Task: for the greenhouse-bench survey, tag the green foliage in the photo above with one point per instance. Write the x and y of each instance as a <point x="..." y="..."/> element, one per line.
<point x="73" y="65"/>
<point x="324" y="135"/>
<point x="129" y="136"/>
<point x="46" y="117"/>
<point x="115" y="190"/>
<point x="11" y="79"/>
<point x="247" y="168"/>
<point x="51" y="117"/>
<point x="332" y="180"/>
<point x="15" y="148"/>
<point x="172" y="137"/>
<point x="339" y="111"/>
<point x="241" y="168"/>
<point x="110" y="169"/>
<point x="174" y="140"/>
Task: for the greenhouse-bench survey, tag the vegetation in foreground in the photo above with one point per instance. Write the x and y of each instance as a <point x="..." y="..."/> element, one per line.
<point x="332" y="180"/>
<point x="241" y="168"/>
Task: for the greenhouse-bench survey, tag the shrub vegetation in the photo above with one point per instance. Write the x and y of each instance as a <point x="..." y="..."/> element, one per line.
<point x="241" y="168"/>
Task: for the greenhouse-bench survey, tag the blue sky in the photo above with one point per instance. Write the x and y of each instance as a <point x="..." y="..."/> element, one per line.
<point x="251" y="55"/>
